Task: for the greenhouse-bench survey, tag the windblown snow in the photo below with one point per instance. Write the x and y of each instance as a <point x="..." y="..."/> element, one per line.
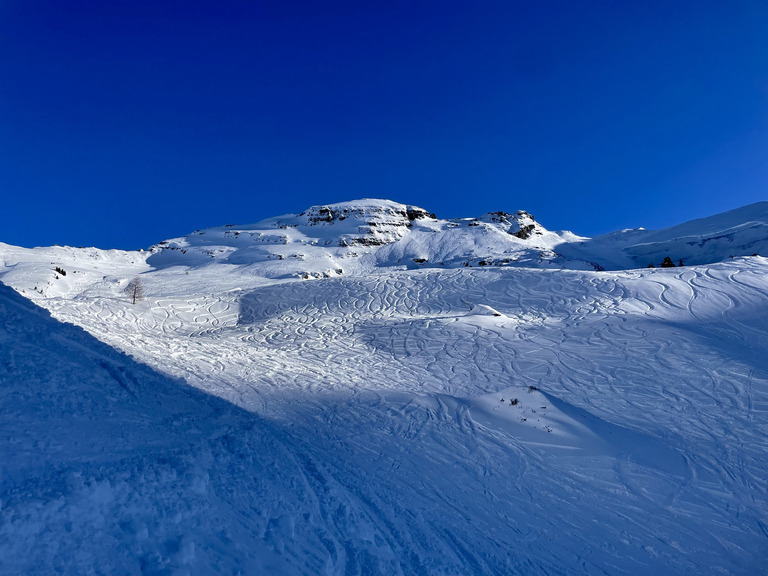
<point x="364" y="388"/>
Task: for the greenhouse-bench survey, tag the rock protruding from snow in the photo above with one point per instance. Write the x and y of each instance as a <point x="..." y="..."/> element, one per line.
<point x="365" y="222"/>
<point x="520" y="224"/>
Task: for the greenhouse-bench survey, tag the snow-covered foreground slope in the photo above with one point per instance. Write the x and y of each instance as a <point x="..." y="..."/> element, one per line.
<point x="111" y="468"/>
<point x="392" y="419"/>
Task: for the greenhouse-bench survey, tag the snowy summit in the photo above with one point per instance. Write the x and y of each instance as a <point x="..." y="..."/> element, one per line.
<point x="361" y="235"/>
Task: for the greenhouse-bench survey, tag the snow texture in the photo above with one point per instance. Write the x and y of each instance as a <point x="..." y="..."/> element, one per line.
<point x="366" y="389"/>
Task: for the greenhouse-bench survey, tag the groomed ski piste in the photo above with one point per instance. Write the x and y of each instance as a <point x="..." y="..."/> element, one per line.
<point x="366" y="389"/>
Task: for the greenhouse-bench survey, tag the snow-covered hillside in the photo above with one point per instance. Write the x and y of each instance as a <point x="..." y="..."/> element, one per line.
<point x="740" y="232"/>
<point x="366" y="389"/>
<point x="354" y="237"/>
<point x="357" y="237"/>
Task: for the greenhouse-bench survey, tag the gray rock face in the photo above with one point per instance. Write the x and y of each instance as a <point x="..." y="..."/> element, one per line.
<point x="365" y="223"/>
<point x="520" y="224"/>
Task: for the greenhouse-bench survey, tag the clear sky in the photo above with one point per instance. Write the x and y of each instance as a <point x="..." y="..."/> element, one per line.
<point x="123" y="123"/>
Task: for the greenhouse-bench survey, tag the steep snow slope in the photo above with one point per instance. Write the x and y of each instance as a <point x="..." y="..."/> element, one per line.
<point x="109" y="468"/>
<point x="410" y="420"/>
<point x="740" y="232"/>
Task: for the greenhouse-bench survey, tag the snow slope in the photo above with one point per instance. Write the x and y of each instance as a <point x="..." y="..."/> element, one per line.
<point x="394" y="418"/>
<point x="111" y="468"/>
<point x="740" y="232"/>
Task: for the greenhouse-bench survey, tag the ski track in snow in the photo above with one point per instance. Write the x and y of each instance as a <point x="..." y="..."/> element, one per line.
<point x="637" y="442"/>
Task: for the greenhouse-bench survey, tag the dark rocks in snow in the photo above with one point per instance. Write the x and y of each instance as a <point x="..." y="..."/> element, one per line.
<point x="378" y="222"/>
<point x="320" y="214"/>
<point x="520" y="224"/>
<point x="416" y="213"/>
<point x="396" y="215"/>
<point x="524" y="232"/>
<point x="498" y="217"/>
<point x="362" y="241"/>
<point x="488" y="261"/>
<point x="507" y="218"/>
<point x="523" y="214"/>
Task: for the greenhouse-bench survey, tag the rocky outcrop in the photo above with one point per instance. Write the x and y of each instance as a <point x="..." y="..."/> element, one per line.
<point x="365" y="222"/>
<point x="520" y="224"/>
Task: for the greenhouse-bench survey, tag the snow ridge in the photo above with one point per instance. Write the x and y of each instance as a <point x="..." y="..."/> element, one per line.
<point x="362" y="235"/>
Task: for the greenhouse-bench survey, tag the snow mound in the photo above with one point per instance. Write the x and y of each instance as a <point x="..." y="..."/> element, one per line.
<point x="483" y="310"/>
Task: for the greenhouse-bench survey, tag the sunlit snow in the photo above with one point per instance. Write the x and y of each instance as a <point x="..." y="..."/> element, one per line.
<point x="366" y="389"/>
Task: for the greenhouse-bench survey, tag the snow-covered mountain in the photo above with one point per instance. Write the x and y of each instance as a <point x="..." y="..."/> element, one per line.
<point x="442" y="397"/>
<point x="358" y="236"/>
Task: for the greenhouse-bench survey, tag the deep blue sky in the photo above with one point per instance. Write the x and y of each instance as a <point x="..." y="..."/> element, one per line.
<point x="126" y="122"/>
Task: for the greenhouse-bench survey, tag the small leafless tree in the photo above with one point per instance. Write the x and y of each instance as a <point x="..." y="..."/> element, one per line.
<point x="135" y="290"/>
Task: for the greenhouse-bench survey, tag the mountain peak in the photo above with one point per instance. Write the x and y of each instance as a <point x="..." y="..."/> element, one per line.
<point x="369" y="207"/>
<point x="369" y="221"/>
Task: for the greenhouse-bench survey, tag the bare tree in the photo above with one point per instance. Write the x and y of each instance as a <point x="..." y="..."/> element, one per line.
<point x="135" y="290"/>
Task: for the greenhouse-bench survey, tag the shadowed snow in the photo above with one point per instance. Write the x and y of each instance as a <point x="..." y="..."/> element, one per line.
<point x="397" y="417"/>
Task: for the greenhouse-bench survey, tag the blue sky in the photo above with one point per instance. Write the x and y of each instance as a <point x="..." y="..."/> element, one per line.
<point x="124" y="123"/>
